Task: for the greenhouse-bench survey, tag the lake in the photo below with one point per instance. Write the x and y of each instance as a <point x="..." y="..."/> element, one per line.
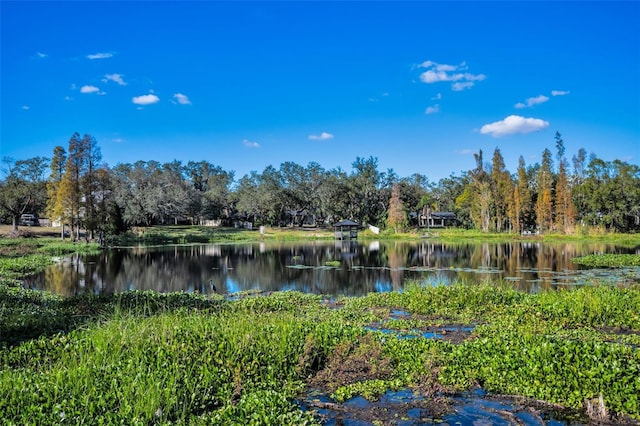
<point x="363" y="267"/>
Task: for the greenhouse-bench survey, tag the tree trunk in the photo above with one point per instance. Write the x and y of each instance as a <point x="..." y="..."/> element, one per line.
<point x="15" y="223"/>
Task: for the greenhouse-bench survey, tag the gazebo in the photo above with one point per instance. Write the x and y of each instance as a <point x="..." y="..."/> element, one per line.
<point x="346" y="230"/>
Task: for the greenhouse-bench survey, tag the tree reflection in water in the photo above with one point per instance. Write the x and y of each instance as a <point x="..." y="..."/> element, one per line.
<point x="364" y="267"/>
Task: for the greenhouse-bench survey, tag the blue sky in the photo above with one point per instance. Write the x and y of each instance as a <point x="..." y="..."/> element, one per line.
<point x="243" y="85"/>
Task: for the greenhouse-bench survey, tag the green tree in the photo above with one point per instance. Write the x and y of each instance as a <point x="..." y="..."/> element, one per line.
<point x="89" y="183"/>
<point x="477" y="197"/>
<point x="564" y="208"/>
<point x="58" y="162"/>
<point x="365" y="192"/>
<point x="23" y="189"/>
<point x="611" y="195"/>
<point x="544" y="202"/>
<point x="520" y="207"/>
<point x="501" y="191"/>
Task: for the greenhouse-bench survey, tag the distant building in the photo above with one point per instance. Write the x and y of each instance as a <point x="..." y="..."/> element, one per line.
<point x="346" y="230"/>
<point x="436" y="219"/>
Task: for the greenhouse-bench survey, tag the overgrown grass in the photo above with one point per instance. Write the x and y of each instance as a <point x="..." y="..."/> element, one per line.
<point x="150" y="358"/>
<point x="608" y="260"/>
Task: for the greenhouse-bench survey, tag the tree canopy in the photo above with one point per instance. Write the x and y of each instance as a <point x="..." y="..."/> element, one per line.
<point x="82" y="192"/>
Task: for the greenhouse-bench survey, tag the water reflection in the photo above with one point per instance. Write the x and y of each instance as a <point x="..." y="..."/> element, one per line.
<point x="363" y="268"/>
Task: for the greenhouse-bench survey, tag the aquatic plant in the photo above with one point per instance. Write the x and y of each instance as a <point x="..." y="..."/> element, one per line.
<point x="151" y="358"/>
<point x="608" y="260"/>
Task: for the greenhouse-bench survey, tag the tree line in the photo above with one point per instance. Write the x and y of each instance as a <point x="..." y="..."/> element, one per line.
<point x="75" y="188"/>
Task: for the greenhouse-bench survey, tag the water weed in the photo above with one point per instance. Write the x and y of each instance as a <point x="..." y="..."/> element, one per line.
<point x="151" y="358"/>
<point x="608" y="260"/>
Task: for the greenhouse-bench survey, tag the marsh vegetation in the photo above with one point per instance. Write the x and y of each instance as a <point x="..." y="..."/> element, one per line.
<point x="418" y="354"/>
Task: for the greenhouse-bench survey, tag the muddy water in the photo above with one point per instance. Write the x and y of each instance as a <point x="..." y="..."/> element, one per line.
<point x="363" y="267"/>
<point x="405" y="407"/>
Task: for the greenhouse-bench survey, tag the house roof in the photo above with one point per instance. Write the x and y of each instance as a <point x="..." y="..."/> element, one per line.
<point x="346" y="222"/>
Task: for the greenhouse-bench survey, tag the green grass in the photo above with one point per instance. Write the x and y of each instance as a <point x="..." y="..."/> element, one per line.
<point x="205" y="234"/>
<point x="150" y="358"/>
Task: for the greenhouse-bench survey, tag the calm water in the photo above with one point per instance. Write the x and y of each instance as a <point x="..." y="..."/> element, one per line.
<point x="364" y="267"/>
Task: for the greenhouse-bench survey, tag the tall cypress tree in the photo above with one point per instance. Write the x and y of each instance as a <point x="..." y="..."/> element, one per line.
<point x="544" y="202"/>
<point x="564" y="208"/>
<point x="502" y="191"/>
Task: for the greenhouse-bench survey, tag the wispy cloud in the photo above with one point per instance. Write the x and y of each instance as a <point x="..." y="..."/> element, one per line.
<point x="437" y="97"/>
<point x="376" y="99"/>
<point x="465" y="151"/>
<point x="89" y="89"/>
<point x="68" y="98"/>
<point x="458" y="75"/>
<point x="513" y="124"/>
<point x="559" y="92"/>
<point x="321" y="137"/>
<point x="461" y="85"/>
<point x="103" y="55"/>
<point x="117" y="78"/>
<point x="250" y="144"/>
<point x="181" y="99"/>
<point x="117" y="140"/>
<point x="540" y="99"/>
<point x="432" y="109"/>
<point x="24" y="107"/>
<point x="40" y="55"/>
<point x="145" y="99"/>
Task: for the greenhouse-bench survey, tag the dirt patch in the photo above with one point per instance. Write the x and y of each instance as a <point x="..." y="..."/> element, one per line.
<point x="353" y="362"/>
<point x="30" y="231"/>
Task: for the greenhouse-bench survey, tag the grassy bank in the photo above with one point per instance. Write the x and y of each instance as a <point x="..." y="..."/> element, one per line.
<point x="149" y="358"/>
<point x="203" y="234"/>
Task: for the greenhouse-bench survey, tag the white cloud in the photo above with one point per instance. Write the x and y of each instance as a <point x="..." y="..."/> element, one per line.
<point x="117" y="78"/>
<point x="24" y="107"/>
<point x="41" y="55"/>
<point x="117" y="140"/>
<point x="465" y="151"/>
<point x="513" y="124"/>
<point x="89" y="89"/>
<point x="321" y="137"/>
<point x="559" y="92"/>
<point x="437" y="97"/>
<point x="437" y="73"/>
<point x="462" y="85"/>
<point x="145" y="99"/>
<point x="540" y="99"/>
<point x="432" y="109"/>
<point x="68" y="98"/>
<point x="250" y="144"/>
<point x="181" y="99"/>
<point x="104" y="55"/>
